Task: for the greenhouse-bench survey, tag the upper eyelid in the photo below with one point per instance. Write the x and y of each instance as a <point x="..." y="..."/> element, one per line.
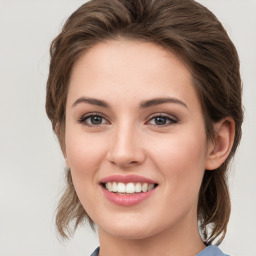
<point x="163" y="115"/>
<point x="92" y="114"/>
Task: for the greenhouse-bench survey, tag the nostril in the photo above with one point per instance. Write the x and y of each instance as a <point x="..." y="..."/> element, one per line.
<point x="133" y="162"/>
<point x="123" y="163"/>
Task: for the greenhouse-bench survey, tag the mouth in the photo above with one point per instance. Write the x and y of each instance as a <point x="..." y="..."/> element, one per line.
<point x="128" y="188"/>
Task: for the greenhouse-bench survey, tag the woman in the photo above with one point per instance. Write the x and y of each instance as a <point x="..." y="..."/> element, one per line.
<point x="145" y="98"/>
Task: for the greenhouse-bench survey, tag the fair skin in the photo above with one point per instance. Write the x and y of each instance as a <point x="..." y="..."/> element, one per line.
<point x="132" y="110"/>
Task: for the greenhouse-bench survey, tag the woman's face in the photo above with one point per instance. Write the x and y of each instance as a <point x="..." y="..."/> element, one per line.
<point x="134" y="123"/>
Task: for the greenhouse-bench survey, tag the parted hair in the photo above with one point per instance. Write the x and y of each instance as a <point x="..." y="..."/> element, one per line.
<point x="195" y="35"/>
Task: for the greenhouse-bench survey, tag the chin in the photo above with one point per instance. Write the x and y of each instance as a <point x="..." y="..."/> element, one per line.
<point x="127" y="229"/>
<point x="141" y="228"/>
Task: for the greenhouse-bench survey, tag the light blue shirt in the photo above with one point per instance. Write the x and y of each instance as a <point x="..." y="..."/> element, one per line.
<point x="208" y="251"/>
<point x="211" y="250"/>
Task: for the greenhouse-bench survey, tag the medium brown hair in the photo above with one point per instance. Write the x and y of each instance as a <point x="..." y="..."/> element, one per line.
<point x="195" y="35"/>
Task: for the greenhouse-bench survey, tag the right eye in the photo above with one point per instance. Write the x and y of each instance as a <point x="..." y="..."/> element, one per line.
<point x="93" y="120"/>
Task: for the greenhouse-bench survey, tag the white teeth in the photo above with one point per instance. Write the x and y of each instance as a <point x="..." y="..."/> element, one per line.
<point x="120" y="187"/>
<point x="144" y="187"/>
<point x="114" y="187"/>
<point x="151" y="186"/>
<point x="109" y="186"/>
<point x="138" y="187"/>
<point x="129" y="188"/>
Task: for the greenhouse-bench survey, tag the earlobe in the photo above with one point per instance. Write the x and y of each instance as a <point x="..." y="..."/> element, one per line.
<point x="221" y="146"/>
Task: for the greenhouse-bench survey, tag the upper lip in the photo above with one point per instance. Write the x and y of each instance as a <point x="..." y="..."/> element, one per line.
<point x="127" y="179"/>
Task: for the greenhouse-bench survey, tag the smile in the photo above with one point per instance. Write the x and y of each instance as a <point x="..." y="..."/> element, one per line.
<point x="127" y="190"/>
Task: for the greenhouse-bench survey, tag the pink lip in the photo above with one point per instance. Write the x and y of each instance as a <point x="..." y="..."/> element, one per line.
<point x="127" y="179"/>
<point x="127" y="199"/>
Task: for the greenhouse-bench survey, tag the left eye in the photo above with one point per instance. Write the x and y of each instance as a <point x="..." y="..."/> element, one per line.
<point x="162" y="120"/>
<point x="93" y="120"/>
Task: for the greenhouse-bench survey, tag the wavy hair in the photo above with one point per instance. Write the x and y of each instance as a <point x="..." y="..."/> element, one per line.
<point x="195" y="35"/>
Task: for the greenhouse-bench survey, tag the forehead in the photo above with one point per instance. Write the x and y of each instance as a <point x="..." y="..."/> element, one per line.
<point x="131" y="69"/>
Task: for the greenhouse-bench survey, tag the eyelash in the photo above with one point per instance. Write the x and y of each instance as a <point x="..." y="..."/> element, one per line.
<point x="84" y="118"/>
<point x="170" y="120"/>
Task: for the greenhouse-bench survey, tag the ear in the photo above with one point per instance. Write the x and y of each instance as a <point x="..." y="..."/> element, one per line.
<point x="219" y="149"/>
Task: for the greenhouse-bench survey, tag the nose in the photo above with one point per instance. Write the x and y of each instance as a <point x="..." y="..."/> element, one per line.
<point x="126" y="147"/>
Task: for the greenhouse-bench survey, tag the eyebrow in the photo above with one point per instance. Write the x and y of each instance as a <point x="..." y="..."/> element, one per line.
<point x="91" y="101"/>
<point x="158" y="101"/>
<point x="144" y="104"/>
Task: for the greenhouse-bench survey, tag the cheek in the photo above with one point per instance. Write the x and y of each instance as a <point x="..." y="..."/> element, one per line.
<point x="84" y="156"/>
<point x="83" y="150"/>
<point x="180" y="149"/>
<point x="181" y="159"/>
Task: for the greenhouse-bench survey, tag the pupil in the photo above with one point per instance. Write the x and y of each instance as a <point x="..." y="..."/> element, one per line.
<point x="160" y="120"/>
<point x="96" y="120"/>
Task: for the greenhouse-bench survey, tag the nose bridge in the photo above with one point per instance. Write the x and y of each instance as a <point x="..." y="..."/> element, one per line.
<point x="125" y="148"/>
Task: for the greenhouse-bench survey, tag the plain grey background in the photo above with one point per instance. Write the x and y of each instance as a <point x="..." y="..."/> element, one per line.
<point x="31" y="169"/>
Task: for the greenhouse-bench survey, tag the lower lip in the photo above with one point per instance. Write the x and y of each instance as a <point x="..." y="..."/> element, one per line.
<point x="127" y="199"/>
